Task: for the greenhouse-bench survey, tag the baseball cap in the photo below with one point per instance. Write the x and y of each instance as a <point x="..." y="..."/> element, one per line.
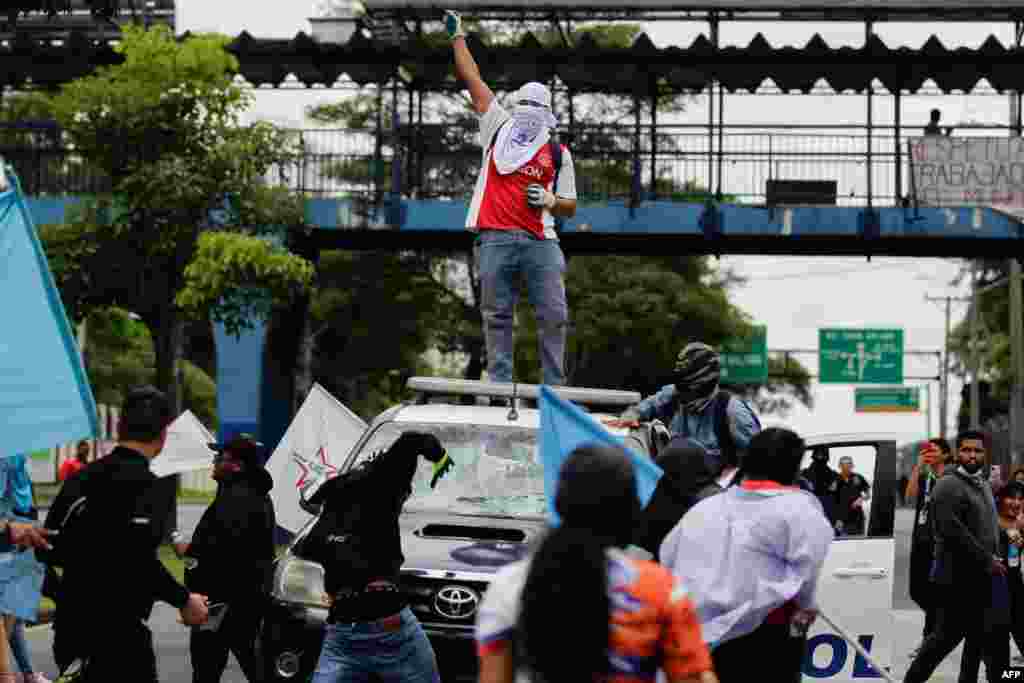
<point x="243" y="447"/>
<point x="534" y="92"/>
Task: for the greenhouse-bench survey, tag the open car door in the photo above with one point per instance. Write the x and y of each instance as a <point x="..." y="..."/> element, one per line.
<point x="316" y="444"/>
<point x="856" y="584"/>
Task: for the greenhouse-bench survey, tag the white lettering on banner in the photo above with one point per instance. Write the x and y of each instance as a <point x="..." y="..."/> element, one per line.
<point x="959" y="171"/>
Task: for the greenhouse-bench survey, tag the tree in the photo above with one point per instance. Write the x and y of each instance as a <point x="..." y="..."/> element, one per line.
<point x="375" y="314"/>
<point x="994" y="342"/>
<point x="119" y="354"/>
<point x="630" y="316"/>
<point x="191" y="228"/>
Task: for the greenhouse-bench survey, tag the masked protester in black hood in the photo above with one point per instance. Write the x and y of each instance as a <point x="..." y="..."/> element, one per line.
<point x="356" y="539"/>
<point x="824" y="482"/>
<point x="690" y="477"/>
<point x="695" y="407"/>
<point x="230" y="558"/>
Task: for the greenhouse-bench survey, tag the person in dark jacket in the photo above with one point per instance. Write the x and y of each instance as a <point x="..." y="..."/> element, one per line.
<point x="824" y="482"/>
<point x="690" y="477"/>
<point x="967" y="563"/>
<point x="112" y="575"/>
<point x="935" y="455"/>
<point x="854" y="491"/>
<point x="1007" y="617"/>
<point x="229" y="559"/>
<point x="356" y="539"/>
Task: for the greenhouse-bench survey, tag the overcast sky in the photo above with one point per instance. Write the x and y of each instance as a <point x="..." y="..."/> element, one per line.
<point x="793" y="296"/>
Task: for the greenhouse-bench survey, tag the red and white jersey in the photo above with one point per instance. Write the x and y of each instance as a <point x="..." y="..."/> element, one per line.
<point x="499" y="201"/>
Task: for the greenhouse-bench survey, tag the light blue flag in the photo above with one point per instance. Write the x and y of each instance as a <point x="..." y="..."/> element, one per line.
<point x="563" y="427"/>
<point x="45" y="399"/>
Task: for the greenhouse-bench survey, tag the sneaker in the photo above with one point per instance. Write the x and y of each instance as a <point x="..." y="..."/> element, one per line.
<point x="36" y="678"/>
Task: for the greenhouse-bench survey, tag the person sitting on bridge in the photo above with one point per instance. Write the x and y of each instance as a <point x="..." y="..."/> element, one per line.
<point x="699" y="410"/>
<point x="525" y="181"/>
<point x="933" y="127"/>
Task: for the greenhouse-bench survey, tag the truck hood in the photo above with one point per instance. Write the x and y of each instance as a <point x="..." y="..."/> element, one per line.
<point x="465" y="543"/>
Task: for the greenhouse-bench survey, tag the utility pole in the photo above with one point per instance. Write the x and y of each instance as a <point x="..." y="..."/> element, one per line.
<point x="1017" y="363"/>
<point x="944" y="388"/>
<point x="975" y="347"/>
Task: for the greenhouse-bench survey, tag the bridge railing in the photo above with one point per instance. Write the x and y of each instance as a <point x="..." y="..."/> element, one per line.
<point x="669" y="162"/>
<point x="612" y="162"/>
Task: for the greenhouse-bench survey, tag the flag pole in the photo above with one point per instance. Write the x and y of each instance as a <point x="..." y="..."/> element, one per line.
<point x="857" y="646"/>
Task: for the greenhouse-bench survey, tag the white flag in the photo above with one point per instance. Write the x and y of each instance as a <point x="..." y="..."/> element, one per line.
<point x="317" y="441"/>
<point x="186" y="449"/>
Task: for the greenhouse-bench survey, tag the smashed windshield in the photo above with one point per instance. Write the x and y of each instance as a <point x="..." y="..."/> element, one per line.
<point x="497" y="469"/>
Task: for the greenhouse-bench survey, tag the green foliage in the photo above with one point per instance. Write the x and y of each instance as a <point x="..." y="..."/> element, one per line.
<point x="177" y="236"/>
<point x="119" y="354"/>
<point x="631" y="315"/>
<point x="219" y="276"/>
<point x="357" y="112"/>
<point x="373" y="312"/>
<point x="994" y="340"/>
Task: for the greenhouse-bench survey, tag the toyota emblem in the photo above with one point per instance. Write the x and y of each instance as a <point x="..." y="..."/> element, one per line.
<point x="456" y="602"/>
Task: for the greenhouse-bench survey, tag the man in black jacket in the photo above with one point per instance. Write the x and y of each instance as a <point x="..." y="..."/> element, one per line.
<point x="357" y="541"/>
<point x="112" y="575"/>
<point x="824" y="482"/>
<point x="229" y="559"/>
<point x="966" y="561"/>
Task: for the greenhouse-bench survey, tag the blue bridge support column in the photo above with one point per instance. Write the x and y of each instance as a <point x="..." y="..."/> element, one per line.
<point x="239" y="380"/>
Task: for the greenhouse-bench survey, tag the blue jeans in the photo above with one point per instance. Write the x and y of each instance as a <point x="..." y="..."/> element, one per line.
<point x="390" y="652"/>
<point x="19" y="648"/>
<point x="505" y="256"/>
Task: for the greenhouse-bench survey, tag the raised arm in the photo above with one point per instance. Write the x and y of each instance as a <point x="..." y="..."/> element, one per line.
<point x="465" y="66"/>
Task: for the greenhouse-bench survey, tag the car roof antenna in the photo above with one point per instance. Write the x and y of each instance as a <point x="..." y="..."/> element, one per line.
<point x="513" y="414"/>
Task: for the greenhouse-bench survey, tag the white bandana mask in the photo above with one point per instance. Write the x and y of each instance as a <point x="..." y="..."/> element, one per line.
<point x="527" y="131"/>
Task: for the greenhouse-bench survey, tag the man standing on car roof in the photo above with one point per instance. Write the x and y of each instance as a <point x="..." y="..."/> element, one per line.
<point x="526" y="180"/>
<point x="356" y="538"/>
<point x="696" y="408"/>
<point x="229" y="559"/>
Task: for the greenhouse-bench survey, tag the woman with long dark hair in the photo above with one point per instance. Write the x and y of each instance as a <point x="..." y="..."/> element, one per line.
<point x="580" y="609"/>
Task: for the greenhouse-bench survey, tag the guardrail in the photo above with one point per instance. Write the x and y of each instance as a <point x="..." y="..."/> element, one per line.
<point x="681" y="163"/>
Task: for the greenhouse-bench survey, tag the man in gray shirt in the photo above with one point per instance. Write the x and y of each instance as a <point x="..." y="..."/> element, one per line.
<point x="966" y="563"/>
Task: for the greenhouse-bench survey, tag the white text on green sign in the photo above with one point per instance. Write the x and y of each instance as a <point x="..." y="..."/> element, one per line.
<point x="860" y="356"/>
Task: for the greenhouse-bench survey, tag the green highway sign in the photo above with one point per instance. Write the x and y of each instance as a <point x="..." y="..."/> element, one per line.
<point x="745" y="361"/>
<point x="860" y="356"/>
<point x="887" y="400"/>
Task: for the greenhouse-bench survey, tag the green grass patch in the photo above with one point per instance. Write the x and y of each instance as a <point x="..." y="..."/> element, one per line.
<point x="175" y="564"/>
<point x="195" y="496"/>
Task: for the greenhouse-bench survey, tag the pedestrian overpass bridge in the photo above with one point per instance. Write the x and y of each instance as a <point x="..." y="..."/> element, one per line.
<point x="665" y="227"/>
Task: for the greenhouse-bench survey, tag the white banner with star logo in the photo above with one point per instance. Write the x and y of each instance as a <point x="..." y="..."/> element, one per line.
<point x="315" y="445"/>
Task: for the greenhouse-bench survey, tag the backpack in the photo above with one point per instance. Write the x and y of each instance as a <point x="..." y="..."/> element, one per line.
<point x="556" y="159"/>
<point x="720" y="417"/>
<point x="67" y="517"/>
